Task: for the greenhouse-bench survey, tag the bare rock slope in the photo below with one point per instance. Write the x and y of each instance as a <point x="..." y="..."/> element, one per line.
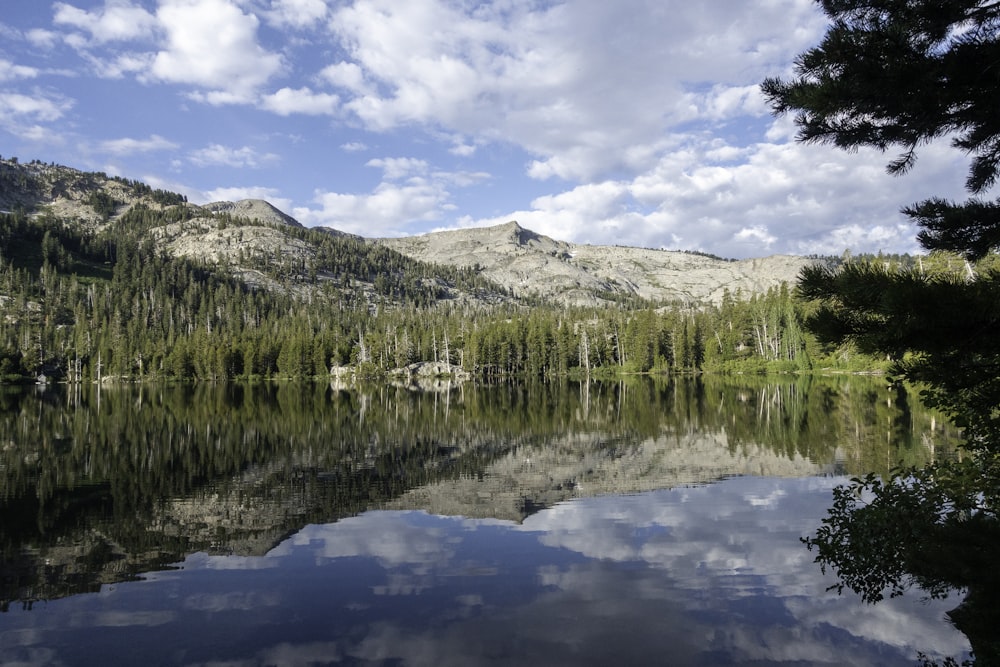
<point x="208" y="237"/>
<point x="253" y="209"/>
<point x="526" y="263"/>
<point x="532" y="264"/>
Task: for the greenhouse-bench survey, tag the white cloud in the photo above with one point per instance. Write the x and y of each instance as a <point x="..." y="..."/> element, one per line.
<point x="121" y="64"/>
<point x="658" y="131"/>
<point x="346" y="75"/>
<point x="297" y="13"/>
<point x="386" y="211"/>
<point x="532" y="74"/>
<point x="727" y="102"/>
<point x="43" y="39"/>
<point x="37" y="133"/>
<point x="397" y="168"/>
<point x="219" y="155"/>
<point x="118" y="20"/>
<point x="287" y="101"/>
<point x="746" y="201"/>
<point x="463" y="179"/>
<point x="129" y="146"/>
<point x="410" y="192"/>
<point x="245" y="601"/>
<point x="212" y="44"/>
<point x="462" y="149"/>
<point x="10" y="71"/>
<point x="759" y="521"/>
<point x="38" y="107"/>
<point x="132" y="618"/>
<point x="209" y="44"/>
<point x="300" y="655"/>
<point x="636" y="122"/>
<point x="720" y="570"/>
<point x="757" y="234"/>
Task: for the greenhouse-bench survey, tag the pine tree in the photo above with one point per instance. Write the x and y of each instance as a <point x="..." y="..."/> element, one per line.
<point x="898" y="74"/>
<point x="892" y="74"/>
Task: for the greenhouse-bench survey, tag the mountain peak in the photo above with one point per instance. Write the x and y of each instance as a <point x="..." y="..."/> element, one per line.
<point x="253" y="209"/>
<point x="532" y="264"/>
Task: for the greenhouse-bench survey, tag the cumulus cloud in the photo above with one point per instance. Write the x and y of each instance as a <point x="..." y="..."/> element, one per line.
<point x="10" y="71"/>
<point x="287" y="101"/>
<point x="410" y="192"/>
<point x="727" y="102"/>
<point x="634" y="122"/>
<point x="462" y="149"/>
<point x="219" y="155"/>
<point x="296" y="13"/>
<point x="348" y="76"/>
<point x="397" y="168"/>
<point x="745" y="201"/>
<point x="532" y="75"/>
<point x="660" y="132"/>
<point x="120" y="65"/>
<point x="42" y="39"/>
<point x="711" y="574"/>
<point x="118" y="20"/>
<point x="213" y="44"/>
<point x="215" y="603"/>
<point x="37" y="107"/>
<point x="124" y="619"/>
<point x="129" y="146"/>
<point x="300" y="655"/>
<point x="387" y="537"/>
<point x="386" y="211"/>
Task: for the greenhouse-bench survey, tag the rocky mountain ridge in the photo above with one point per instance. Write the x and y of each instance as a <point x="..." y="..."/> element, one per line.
<point x="527" y="264"/>
<point x="534" y="265"/>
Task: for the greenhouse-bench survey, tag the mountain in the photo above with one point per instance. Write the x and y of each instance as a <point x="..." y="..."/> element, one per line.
<point x="530" y="264"/>
<point x="103" y="278"/>
<point x="251" y="237"/>
<point x="253" y="209"/>
<point x="85" y="199"/>
<point x="249" y="240"/>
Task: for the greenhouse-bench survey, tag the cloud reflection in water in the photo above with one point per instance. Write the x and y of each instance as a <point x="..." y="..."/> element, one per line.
<point x="692" y="576"/>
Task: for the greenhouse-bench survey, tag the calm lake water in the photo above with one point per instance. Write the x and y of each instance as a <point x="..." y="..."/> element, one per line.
<point x="636" y="523"/>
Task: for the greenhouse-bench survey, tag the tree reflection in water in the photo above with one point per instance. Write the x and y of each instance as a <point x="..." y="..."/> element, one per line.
<point x="104" y="485"/>
<point x="934" y="528"/>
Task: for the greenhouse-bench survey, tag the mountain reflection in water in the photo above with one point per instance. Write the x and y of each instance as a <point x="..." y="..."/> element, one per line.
<point x="568" y="524"/>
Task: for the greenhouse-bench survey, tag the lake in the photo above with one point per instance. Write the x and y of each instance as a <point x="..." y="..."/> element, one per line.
<point x="606" y="523"/>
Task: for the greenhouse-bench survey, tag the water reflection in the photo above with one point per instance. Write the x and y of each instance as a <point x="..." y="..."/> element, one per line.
<point x="693" y="576"/>
<point x="503" y="533"/>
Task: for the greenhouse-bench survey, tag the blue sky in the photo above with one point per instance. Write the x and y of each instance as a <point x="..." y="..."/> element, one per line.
<point x="636" y="122"/>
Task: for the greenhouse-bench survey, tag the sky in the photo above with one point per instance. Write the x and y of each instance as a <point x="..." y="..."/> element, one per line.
<point x="635" y="122"/>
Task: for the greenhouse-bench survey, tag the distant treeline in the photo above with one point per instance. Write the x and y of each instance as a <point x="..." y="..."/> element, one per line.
<point x="82" y="306"/>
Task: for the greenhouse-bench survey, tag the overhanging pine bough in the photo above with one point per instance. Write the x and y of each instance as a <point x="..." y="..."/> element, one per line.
<point x="898" y="74"/>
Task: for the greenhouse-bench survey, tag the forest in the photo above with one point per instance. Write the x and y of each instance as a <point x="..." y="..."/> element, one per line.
<point x="108" y="304"/>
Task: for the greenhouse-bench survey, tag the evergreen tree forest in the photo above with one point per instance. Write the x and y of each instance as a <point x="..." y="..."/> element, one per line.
<point x="82" y="304"/>
<point x="106" y="302"/>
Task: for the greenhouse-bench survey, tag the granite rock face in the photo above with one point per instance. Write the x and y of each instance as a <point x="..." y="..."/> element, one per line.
<point x="534" y="265"/>
<point x="524" y="262"/>
<point x="253" y="209"/>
